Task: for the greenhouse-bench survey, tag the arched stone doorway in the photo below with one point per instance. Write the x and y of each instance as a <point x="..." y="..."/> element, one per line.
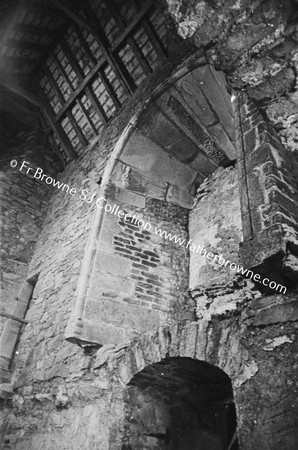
<point x="178" y="137"/>
<point x="180" y="403"/>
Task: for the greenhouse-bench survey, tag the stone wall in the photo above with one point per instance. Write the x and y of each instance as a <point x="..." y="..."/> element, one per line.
<point x="139" y="280"/>
<point x="76" y="396"/>
<point x="255" y="44"/>
<point x="23" y="209"/>
<point x="43" y="353"/>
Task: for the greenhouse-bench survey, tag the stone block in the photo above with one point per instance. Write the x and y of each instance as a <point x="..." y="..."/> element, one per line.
<point x="179" y="197"/>
<point x="277" y="314"/>
<point x="251" y="140"/>
<point x="103" y="282"/>
<point x="131" y="198"/>
<point x="213" y="93"/>
<point x="112" y="264"/>
<point x="129" y="316"/>
<point x="202" y="164"/>
<point x="223" y="140"/>
<point x="192" y="94"/>
<point x="265" y="244"/>
<point x="103" y="333"/>
<point x="151" y="160"/>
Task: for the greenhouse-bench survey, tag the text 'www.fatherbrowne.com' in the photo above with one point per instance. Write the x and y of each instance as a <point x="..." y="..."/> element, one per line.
<point x="102" y="203"/>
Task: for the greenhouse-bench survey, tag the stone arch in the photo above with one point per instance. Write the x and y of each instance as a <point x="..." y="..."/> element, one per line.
<point x="178" y="137"/>
<point x="199" y="347"/>
<point x="218" y="344"/>
<point x="181" y="403"/>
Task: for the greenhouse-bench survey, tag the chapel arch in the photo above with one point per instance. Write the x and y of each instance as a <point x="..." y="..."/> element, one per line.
<point x="180" y="403"/>
<point x="134" y="281"/>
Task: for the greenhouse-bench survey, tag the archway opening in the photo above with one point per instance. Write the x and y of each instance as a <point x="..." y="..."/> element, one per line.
<point x="181" y="404"/>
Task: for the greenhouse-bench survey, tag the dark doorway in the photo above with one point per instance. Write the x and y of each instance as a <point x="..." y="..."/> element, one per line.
<point x="181" y="404"/>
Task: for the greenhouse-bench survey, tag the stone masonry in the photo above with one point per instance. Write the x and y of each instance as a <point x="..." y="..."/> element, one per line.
<point x="119" y="339"/>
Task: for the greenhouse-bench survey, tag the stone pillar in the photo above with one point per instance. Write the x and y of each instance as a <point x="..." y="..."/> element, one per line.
<point x="268" y="193"/>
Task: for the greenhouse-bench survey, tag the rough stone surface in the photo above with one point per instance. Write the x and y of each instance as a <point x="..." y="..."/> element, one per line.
<point x="70" y="396"/>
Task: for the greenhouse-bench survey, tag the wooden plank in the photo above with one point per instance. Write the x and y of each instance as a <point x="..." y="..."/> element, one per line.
<point x="134" y="23"/>
<point x="57" y="128"/>
<point x="18" y="61"/>
<point x="11" y="84"/>
<point x="32" y="29"/>
<point x="84" y="43"/>
<point x="54" y="85"/>
<point x="43" y="9"/>
<point x="11" y="316"/>
<point x="140" y="56"/>
<point x="114" y="60"/>
<point x="76" y="127"/>
<point x="80" y="74"/>
<point x="80" y="88"/>
<point x="97" y="106"/>
<point x="115" y="13"/>
<point x="109" y="88"/>
<point x="73" y="16"/>
<point x="154" y="39"/>
<point x="63" y="71"/>
<point x="85" y="113"/>
<point x="96" y="31"/>
<point x="70" y="116"/>
<point x="66" y="113"/>
<point x="34" y="47"/>
<point x="73" y="62"/>
<point x="15" y="14"/>
<point x="16" y="107"/>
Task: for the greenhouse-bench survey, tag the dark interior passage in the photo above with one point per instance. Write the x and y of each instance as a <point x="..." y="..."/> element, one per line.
<point x="181" y="404"/>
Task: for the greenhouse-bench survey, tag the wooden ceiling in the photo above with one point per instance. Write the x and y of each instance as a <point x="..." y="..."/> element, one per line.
<point x="28" y="30"/>
<point x="77" y="61"/>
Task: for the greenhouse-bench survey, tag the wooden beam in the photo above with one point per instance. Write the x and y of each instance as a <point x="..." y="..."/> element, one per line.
<point x="19" y="61"/>
<point x="60" y="32"/>
<point x="76" y="127"/>
<point x="109" y="88"/>
<point x="73" y="16"/>
<point x="133" y="24"/>
<point x="54" y="85"/>
<point x="66" y="113"/>
<point x="34" y="47"/>
<point x="80" y="74"/>
<point x="86" y="115"/>
<point x="73" y="62"/>
<point x="32" y="29"/>
<point x="95" y="30"/>
<point x="53" y="142"/>
<point x="16" y="13"/>
<point x="42" y="9"/>
<point x="154" y="39"/>
<point x="12" y="85"/>
<point x="16" y="107"/>
<point x="113" y="59"/>
<point x="80" y="88"/>
<point x="84" y="43"/>
<point x="57" y="128"/>
<point x="115" y="13"/>
<point x="96" y="105"/>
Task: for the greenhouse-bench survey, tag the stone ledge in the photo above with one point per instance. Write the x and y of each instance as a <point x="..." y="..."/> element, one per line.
<point x="277" y="314"/>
